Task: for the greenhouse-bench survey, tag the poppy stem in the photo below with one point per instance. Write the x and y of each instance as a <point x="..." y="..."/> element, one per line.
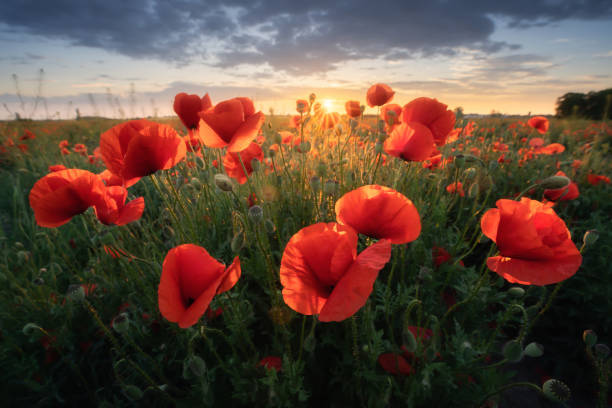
<point x="544" y="309"/>
<point x="302" y="338"/>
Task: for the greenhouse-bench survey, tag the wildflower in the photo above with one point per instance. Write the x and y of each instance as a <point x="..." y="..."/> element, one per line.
<point x="113" y="210"/>
<point x="353" y="109"/>
<point x="456" y="188"/>
<point x="271" y="363"/>
<point x="189" y="281"/>
<point x="379" y="212"/>
<point x="535" y="245"/>
<point x="379" y="94"/>
<point x="232" y="123"/>
<point x="56" y="167"/>
<point x="539" y="123"/>
<point x="433" y="114"/>
<point x="595" y="179"/>
<point x="302" y="106"/>
<point x="395" y="364"/>
<point x="410" y="141"/>
<point x="234" y="167"/>
<point x="188" y="107"/>
<point x="567" y="193"/>
<point x="330" y="280"/>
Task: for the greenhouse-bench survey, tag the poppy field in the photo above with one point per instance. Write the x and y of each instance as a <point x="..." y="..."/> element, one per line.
<point x="224" y="256"/>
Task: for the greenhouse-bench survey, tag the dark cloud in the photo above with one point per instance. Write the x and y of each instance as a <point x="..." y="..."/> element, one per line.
<point x="297" y="37"/>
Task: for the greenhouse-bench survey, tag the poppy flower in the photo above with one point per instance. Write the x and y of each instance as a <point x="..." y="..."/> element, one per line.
<point x="595" y="179"/>
<point x="441" y="256"/>
<point x="189" y="281"/>
<point x="432" y="114"/>
<point x="353" y="109"/>
<point x="27" y="135"/>
<point x="570" y="192"/>
<point x="113" y="210"/>
<point x="553" y="148"/>
<point x="80" y="148"/>
<point x="539" y="123"/>
<point x="330" y="280"/>
<point x="188" y="107"/>
<point x="536" y="142"/>
<point x="301" y="105"/>
<point x="232" y="123"/>
<point x="456" y="188"/>
<point x="395" y="364"/>
<point x="379" y="94"/>
<point x="391" y="114"/>
<point x="379" y="212"/>
<point x="410" y="141"/>
<point x="139" y="148"/>
<point x="111" y="179"/>
<point x="59" y="196"/>
<point x="233" y="165"/>
<point x="535" y="245"/>
<point x="271" y="362"/>
<point x="295" y="121"/>
<point x="63" y="144"/>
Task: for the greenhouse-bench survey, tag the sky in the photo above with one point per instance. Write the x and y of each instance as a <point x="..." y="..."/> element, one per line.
<point x="130" y="58"/>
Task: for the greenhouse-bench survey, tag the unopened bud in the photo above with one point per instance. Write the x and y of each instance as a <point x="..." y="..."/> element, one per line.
<point x="556" y="390"/>
<point x="474" y="190"/>
<point x="121" y="323"/>
<point x="459" y="161"/>
<point x="378" y="148"/>
<point x="330" y="187"/>
<point x="310" y="343"/>
<point x="270" y="227"/>
<point x="304" y="147"/>
<point x="312" y="98"/>
<point x="513" y="351"/>
<point x="75" y="292"/>
<point x="237" y="241"/>
<point x="224" y="182"/>
<point x="315" y="183"/>
<point x="554" y="182"/>
<point x="589" y="337"/>
<point x="590" y="237"/>
<point x="409" y="340"/>
<point x="256" y="213"/>
<point x="516" y="292"/>
<point x="321" y="169"/>
<point x="469" y="173"/>
<point x="602" y="351"/>
<point x="132" y="392"/>
<point x="534" y="350"/>
<point x="196" y="183"/>
<point x="277" y="138"/>
<point x="193" y="366"/>
<point x="31" y="328"/>
<point x="255" y="165"/>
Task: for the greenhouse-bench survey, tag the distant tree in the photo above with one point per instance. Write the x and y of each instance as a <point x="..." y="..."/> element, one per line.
<point x="593" y="105"/>
<point x="459" y="112"/>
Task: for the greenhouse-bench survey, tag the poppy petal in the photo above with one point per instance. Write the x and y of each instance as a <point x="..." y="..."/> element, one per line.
<point x="489" y="223"/>
<point x="246" y="133"/>
<point x="232" y="274"/>
<point x="535" y="272"/>
<point x="132" y="211"/>
<point x="208" y="136"/>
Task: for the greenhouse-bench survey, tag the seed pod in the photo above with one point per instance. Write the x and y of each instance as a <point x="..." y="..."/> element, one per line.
<point x="224" y="182"/>
<point x="516" y="292"/>
<point x="256" y="213"/>
<point x="193" y="366"/>
<point x="237" y="241"/>
<point x="132" y="392"/>
<point x="195" y="183"/>
<point x="330" y="187"/>
<point x="534" y="350"/>
<point x="513" y="351"/>
<point x="121" y="323"/>
<point x="409" y="340"/>
<point x="304" y="147"/>
<point x="556" y="390"/>
<point x="75" y="292"/>
<point x="469" y="173"/>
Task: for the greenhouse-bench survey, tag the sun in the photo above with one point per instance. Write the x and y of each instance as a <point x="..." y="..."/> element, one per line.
<point x="327" y="104"/>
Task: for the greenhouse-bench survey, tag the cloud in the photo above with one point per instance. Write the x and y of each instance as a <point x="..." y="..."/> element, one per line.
<point x="296" y="37"/>
<point x="604" y="55"/>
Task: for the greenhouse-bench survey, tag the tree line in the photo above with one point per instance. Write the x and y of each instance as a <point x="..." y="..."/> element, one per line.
<point x="592" y="105"/>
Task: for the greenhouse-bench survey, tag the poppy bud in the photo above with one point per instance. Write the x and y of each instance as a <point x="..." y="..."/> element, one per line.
<point x="196" y="183"/>
<point x="277" y="138"/>
<point x="255" y="164"/>
<point x="18" y="245"/>
<point x="555" y="182"/>
<point x="534" y="350"/>
<point x="409" y="340"/>
<point x="270" y="227"/>
<point x="474" y="190"/>
<point x="315" y="183"/>
<point x="280" y="315"/>
<point x="23" y="256"/>
<point x="310" y="343"/>
<point x="237" y="241"/>
<point x="330" y="187"/>
<point x="30" y="328"/>
<point x="590" y="237"/>
<point x="224" y="182"/>
<point x="271" y="153"/>
<point x="75" y="292"/>
<point x="121" y="323"/>
<point x="304" y="147"/>
<point x="459" y="161"/>
<point x="378" y="148"/>
<point x="589" y="337"/>
<point x="513" y="351"/>
<point x="601" y="351"/>
<point x="193" y="366"/>
<point x="312" y="98"/>
<point x="132" y="392"/>
<point x="256" y="213"/>
<point x="556" y="390"/>
<point x="516" y="292"/>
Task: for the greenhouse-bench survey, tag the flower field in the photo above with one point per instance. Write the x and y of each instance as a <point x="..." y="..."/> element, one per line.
<point x="410" y="258"/>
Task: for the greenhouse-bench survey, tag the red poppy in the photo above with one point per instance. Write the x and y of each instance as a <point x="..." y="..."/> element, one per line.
<point x="232" y="123"/>
<point x="441" y="256"/>
<point x="139" y="148"/>
<point x="56" y="167"/>
<point x="329" y="280"/>
<point x="353" y="109"/>
<point x="112" y="180"/>
<point x="379" y="212"/>
<point x="395" y="364"/>
<point x="595" y="179"/>
<point x="271" y="362"/>
<point x="63" y="144"/>
<point x="539" y="123"/>
<point x="23" y="147"/>
<point x="553" y="148"/>
<point x="432" y="114"/>
<point x="233" y="165"/>
<point x="80" y="148"/>
<point x="301" y="105"/>
<point x="379" y="94"/>
<point x="295" y="121"/>
<point x="189" y="281"/>
<point x="188" y="107"/>
<point x="536" y="142"/>
<point x="113" y="210"/>
<point x="410" y="141"/>
<point x="567" y="193"/>
<point x="535" y="245"/>
<point x="27" y="135"/>
<point x="457" y="188"/>
<point x="59" y="196"/>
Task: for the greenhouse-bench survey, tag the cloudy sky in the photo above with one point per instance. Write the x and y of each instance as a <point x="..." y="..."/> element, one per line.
<point x="107" y="56"/>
